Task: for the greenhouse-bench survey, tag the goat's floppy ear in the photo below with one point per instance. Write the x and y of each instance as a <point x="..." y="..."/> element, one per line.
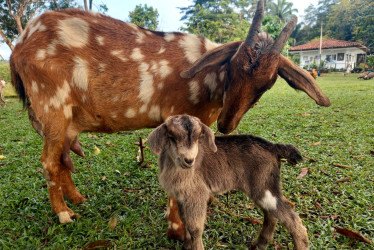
<point x="217" y="56"/>
<point x="156" y="139"/>
<point x="209" y="135"/>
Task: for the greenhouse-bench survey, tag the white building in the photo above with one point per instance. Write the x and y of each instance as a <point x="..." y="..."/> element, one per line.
<point x="336" y="54"/>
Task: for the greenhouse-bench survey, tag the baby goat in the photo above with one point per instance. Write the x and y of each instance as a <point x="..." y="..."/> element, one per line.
<point x="194" y="164"/>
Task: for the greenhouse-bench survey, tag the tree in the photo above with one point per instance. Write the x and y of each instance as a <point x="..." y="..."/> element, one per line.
<point x="145" y="17"/>
<point x="219" y="21"/>
<point x="14" y="15"/>
<point x="281" y="9"/>
<point x="103" y="8"/>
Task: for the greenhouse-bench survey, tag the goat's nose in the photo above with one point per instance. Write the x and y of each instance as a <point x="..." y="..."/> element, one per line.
<point x="188" y="161"/>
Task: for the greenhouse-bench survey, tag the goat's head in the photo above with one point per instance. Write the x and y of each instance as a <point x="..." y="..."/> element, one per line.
<point x="252" y="68"/>
<point x="179" y="137"/>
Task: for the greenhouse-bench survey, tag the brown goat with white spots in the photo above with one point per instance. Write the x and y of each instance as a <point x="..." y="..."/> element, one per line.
<point x="2" y="98"/>
<point x="193" y="164"/>
<point x="78" y="71"/>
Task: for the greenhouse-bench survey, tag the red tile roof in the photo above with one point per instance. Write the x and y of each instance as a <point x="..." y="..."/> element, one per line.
<point x="328" y="44"/>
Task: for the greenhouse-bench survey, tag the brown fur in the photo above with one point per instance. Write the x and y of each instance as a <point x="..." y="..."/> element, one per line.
<point x="242" y="162"/>
<point x="78" y="71"/>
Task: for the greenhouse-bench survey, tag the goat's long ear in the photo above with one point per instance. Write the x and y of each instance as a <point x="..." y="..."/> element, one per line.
<point x="209" y="135"/>
<point x="217" y="56"/>
<point x="156" y="139"/>
<point x="300" y="79"/>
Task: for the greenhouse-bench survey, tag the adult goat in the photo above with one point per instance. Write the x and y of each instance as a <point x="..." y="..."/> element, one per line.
<point x="79" y="71"/>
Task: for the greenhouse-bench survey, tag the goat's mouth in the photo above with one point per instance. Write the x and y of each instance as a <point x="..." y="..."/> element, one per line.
<point x="184" y="164"/>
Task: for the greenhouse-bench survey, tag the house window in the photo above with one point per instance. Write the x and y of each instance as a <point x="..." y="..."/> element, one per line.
<point x="328" y="58"/>
<point x="334" y="57"/>
<point x="360" y="58"/>
<point x="340" y="56"/>
<point x="305" y="58"/>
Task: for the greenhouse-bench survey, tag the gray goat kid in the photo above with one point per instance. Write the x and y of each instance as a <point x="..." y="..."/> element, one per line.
<point x="195" y="164"/>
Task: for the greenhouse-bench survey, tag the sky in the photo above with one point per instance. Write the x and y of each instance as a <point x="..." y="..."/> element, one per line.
<point x="169" y="14"/>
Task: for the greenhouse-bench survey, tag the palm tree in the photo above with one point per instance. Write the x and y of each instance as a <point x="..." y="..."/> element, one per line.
<point x="281" y="9"/>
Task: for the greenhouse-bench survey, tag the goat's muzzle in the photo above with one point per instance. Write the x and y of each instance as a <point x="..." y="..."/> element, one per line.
<point x="186" y="163"/>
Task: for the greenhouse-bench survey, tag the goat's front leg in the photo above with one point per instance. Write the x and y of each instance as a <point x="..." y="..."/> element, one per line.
<point x="193" y="214"/>
<point x="175" y="229"/>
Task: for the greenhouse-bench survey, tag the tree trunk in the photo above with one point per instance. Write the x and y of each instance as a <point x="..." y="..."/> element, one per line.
<point x="6" y="39"/>
<point x="85" y="5"/>
<point x="91" y="4"/>
<point x="19" y="24"/>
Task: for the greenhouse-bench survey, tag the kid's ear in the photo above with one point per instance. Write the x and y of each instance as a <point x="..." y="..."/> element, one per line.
<point x="156" y="139"/>
<point x="209" y="135"/>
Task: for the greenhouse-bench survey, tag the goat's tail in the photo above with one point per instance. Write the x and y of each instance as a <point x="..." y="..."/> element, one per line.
<point x="288" y="151"/>
<point x="18" y="84"/>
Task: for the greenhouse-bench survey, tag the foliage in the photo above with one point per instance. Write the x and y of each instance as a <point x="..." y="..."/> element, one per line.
<point x="370" y="61"/>
<point x="282" y="9"/>
<point x="341" y="19"/>
<point x="8" y="23"/>
<point x="341" y="134"/>
<point x="219" y="21"/>
<point x="145" y="17"/>
<point x="62" y="4"/>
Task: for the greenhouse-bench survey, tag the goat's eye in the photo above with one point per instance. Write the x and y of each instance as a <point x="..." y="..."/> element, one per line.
<point x="172" y="139"/>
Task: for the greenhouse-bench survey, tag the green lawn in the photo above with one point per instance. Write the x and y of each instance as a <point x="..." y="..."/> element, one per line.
<point x="341" y="134"/>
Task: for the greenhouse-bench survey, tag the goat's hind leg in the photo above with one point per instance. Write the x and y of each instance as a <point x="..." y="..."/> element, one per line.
<point x="291" y="220"/>
<point x="57" y="175"/>
<point x="267" y="231"/>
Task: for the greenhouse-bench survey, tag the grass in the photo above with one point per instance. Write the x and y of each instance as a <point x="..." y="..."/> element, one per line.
<point x="340" y="134"/>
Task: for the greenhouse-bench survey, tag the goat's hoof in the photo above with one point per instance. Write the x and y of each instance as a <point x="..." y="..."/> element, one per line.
<point x="77" y="199"/>
<point x="175" y="234"/>
<point x="64" y="217"/>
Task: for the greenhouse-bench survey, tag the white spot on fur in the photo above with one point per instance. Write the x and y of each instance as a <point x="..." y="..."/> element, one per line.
<point x="73" y="32"/>
<point x="165" y="70"/>
<point x="51" y="49"/>
<point x="46" y="108"/>
<point x="118" y="53"/>
<point x="80" y="74"/>
<point x="155" y="113"/>
<point x="222" y="76"/>
<point x="167" y="213"/>
<point x="133" y="26"/>
<point x="130" y="113"/>
<point x="102" y="66"/>
<point x="149" y="33"/>
<point x="137" y="55"/>
<point x="210" y="82"/>
<point x="100" y="40"/>
<point x="34" y="87"/>
<point x="191" y="46"/>
<point x="209" y="45"/>
<point x="51" y="184"/>
<point x="269" y="202"/>
<point x="194" y="91"/>
<point x="37" y="27"/>
<point x="271" y="76"/>
<point x="113" y="115"/>
<point x="40" y="54"/>
<point x="68" y="112"/>
<point x="146" y="89"/>
<point x="171" y="203"/>
<point x="140" y="37"/>
<point x="169" y="37"/>
<point x="160" y="85"/>
<point x="61" y="95"/>
<point x="84" y="98"/>
<point x="175" y="226"/>
<point x="172" y="109"/>
<point x="143" y="109"/>
<point x="162" y="50"/>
